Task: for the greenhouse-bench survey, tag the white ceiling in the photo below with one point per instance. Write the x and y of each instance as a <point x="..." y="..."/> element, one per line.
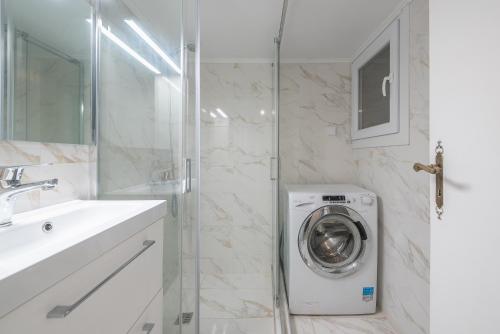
<point x="314" y="29"/>
<point x="239" y="28"/>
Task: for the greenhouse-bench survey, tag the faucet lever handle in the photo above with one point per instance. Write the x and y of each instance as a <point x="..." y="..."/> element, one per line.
<point x="13" y="174"/>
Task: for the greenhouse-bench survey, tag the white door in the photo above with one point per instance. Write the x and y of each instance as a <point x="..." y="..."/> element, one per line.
<point x="465" y="115"/>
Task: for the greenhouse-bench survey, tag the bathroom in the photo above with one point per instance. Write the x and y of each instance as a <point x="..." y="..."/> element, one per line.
<point x="259" y="167"/>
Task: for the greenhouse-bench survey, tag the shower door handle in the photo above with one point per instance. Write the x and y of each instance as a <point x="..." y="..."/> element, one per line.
<point x="188" y="175"/>
<point x="274" y="165"/>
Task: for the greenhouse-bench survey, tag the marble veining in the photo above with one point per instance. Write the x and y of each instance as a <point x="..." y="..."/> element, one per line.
<point x="70" y="163"/>
<point x="236" y="242"/>
<point x="315" y="120"/>
<point x="139" y="122"/>
<point x="366" y="324"/>
<point x="317" y="96"/>
<point x="404" y="197"/>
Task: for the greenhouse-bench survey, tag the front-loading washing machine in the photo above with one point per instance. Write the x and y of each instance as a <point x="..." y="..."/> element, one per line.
<point x="330" y="249"/>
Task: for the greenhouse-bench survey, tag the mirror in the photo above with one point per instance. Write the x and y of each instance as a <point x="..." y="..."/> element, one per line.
<point x="47" y="63"/>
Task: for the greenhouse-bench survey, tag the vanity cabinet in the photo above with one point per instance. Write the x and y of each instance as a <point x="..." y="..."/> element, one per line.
<point x="151" y="320"/>
<point x="119" y="292"/>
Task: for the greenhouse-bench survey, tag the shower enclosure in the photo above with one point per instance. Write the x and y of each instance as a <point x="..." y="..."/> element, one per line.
<point x="154" y="105"/>
<point x="147" y="129"/>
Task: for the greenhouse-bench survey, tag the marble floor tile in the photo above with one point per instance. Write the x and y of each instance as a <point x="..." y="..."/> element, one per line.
<point x="261" y="281"/>
<point x="369" y="324"/>
<point x="237" y="326"/>
<point x="236" y="304"/>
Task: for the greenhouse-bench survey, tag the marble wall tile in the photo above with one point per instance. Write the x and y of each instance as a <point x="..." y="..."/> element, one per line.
<point x="236" y="243"/>
<point x="71" y="164"/>
<point x="139" y="122"/>
<point x="404" y="197"/>
<point x="314" y="96"/>
<point x="315" y="100"/>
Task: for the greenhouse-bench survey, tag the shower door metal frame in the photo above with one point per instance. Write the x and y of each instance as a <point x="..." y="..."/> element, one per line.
<point x="280" y="301"/>
<point x="191" y="171"/>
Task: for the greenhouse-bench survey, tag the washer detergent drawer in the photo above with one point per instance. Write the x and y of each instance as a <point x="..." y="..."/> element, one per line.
<point x="92" y="300"/>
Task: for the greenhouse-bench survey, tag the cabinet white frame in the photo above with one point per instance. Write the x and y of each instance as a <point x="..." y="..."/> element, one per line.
<point x="396" y="132"/>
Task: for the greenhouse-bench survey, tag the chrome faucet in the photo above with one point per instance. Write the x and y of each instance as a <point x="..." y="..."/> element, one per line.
<point x="11" y="187"/>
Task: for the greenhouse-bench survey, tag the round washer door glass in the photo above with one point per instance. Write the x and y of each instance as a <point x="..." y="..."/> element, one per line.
<point x="333" y="240"/>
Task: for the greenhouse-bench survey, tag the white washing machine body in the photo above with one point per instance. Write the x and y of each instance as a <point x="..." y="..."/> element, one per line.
<point x="330" y="249"/>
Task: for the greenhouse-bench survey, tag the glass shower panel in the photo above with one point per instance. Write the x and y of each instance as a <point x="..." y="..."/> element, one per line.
<point x="191" y="153"/>
<point x="140" y="112"/>
<point x="236" y="292"/>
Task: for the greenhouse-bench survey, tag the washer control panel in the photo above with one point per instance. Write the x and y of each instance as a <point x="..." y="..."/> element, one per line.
<point x="332" y="199"/>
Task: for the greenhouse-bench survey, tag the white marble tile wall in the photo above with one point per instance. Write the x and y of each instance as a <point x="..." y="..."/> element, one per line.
<point x="315" y="120"/>
<point x="236" y="283"/>
<point x="71" y="164"/>
<point x="404" y="197"/>
<point x="139" y="123"/>
<point x="316" y="95"/>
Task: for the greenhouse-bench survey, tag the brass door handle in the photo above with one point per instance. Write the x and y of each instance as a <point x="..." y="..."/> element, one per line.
<point x="436" y="169"/>
<point x="431" y="169"/>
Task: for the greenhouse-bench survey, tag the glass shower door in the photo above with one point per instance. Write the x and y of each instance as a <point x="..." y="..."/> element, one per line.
<point x="190" y="235"/>
<point x="191" y="171"/>
<point x="141" y="114"/>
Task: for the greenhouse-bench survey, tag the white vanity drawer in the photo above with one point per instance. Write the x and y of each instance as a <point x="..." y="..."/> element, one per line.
<point x="113" y="307"/>
<point x="151" y="320"/>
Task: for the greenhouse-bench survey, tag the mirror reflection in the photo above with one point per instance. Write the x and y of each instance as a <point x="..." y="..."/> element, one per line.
<point x="47" y="56"/>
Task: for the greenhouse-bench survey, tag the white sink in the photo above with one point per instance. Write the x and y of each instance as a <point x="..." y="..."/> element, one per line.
<point x="79" y="231"/>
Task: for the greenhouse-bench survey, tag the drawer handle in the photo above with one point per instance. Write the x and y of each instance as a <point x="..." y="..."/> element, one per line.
<point x="148" y="327"/>
<point x="62" y="311"/>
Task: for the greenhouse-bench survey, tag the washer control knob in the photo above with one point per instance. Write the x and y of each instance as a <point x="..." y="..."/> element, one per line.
<point x="366" y="200"/>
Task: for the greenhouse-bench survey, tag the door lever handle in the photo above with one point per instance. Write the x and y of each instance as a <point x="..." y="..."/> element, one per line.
<point x="437" y="169"/>
<point x="431" y="169"/>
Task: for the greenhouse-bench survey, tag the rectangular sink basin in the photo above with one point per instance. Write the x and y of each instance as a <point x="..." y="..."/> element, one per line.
<point x="46" y="244"/>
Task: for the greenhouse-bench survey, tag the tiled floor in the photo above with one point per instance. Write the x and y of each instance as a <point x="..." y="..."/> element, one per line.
<point x="370" y="324"/>
<point x="236" y="304"/>
<point x="237" y="326"/>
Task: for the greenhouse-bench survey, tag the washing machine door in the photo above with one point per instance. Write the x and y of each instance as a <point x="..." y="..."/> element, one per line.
<point x="332" y="241"/>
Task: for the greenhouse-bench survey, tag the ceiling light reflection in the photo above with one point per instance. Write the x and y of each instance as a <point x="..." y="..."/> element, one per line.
<point x="222" y="113"/>
<point x="152" y="44"/>
<point x="107" y="32"/>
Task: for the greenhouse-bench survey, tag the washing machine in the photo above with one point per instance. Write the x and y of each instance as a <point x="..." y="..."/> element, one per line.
<point x="329" y="249"/>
